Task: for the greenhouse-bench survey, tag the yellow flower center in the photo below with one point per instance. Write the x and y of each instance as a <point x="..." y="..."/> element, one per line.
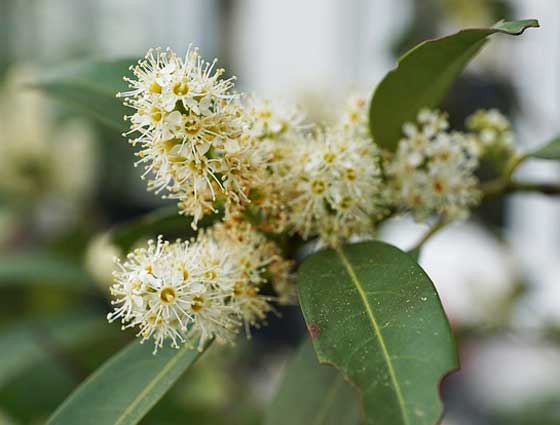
<point x="181" y="88"/>
<point x="192" y="126"/>
<point x="155" y="87"/>
<point x="351" y="174"/>
<point x="197" y="303"/>
<point x="156" y="114"/>
<point x="168" y="295"/>
<point x="329" y="157"/>
<point x="318" y="187"/>
<point x="346" y="202"/>
<point x="210" y="275"/>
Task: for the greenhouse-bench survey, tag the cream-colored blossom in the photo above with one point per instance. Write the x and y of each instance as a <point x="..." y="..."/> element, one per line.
<point x="355" y="115"/>
<point x="335" y="186"/>
<point x="189" y="127"/>
<point x="432" y="171"/>
<point x="492" y="130"/>
<point x="193" y="292"/>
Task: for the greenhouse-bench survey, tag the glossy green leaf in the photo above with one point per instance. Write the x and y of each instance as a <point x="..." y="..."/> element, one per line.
<point x="41" y="268"/>
<point x="126" y="387"/>
<point x="423" y="76"/>
<point x="28" y="342"/>
<point x="374" y="314"/>
<point x="312" y="394"/>
<point x="550" y="150"/>
<point x="91" y="87"/>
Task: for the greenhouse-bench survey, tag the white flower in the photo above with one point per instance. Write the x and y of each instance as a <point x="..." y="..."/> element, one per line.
<point x="193" y="292"/>
<point x="432" y="171"/>
<point x="324" y="183"/>
<point x="190" y="129"/>
<point x="355" y="115"/>
<point x="274" y="119"/>
<point x="492" y="130"/>
<point x="333" y="186"/>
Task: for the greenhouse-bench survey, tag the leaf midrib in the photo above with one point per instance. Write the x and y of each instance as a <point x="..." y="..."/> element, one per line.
<point x="377" y="332"/>
<point x="143" y="394"/>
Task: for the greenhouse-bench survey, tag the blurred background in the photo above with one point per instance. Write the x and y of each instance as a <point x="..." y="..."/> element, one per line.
<point x="66" y="179"/>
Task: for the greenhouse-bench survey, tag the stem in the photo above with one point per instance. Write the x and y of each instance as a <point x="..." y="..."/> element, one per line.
<point x="504" y="184"/>
<point x="543" y="188"/>
<point x="440" y="224"/>
<point x="513" y="164"/>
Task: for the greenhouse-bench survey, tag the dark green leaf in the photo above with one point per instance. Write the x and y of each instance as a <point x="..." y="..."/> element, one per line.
<point x="27" y="343"/>
<point x="312" y="394"/>
<point x="550" y="150"/>
<point x="126" y="387"/>
<point x="91" y="87"/>
<point x="374" y="314"/>
<point x="166" y="221"/>
<point x="423" y="76"/>
<point x="40" y="268"/>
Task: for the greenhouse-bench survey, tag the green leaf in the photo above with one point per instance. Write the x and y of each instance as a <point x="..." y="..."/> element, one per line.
<point x="166" y="221"/>
<point x="374" y="314"/>
<point x="28" y="342"/>
<point x="160" y="221"/>
<point x="550" y="150"/>
<point x="41" y="268"/>
<point x="415" y="253"/>
<point x="126" y="387"/>
<point x="91" y="87"/>
<point x="312" y="394"/>
<point x="422" y="77"/>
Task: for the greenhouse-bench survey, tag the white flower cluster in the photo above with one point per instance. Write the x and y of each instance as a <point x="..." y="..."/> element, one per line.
<point x="191" y="131"/>
<point x="206" y="147"/>
<point x="432" y="171"/>
<point x="325" y="182"/>
<point x="492" y="130"/>
<point x="198" y="290"/>
<point x="333" y="186"/>
<point x="262" y="163"/>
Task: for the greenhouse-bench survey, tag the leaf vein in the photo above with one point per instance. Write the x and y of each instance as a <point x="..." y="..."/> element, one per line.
<point x="377" y="332"/>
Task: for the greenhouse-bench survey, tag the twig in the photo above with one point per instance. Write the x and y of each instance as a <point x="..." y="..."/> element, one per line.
<point x="499" y="187"/>
<point x="505" y="185"/>
<point x="440" y="224"/>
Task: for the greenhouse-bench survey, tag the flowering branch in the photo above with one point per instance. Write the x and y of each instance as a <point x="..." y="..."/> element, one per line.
<point x="271" y="172"/>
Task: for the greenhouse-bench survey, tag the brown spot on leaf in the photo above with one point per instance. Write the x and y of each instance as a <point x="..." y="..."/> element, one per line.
<point x="314" y="330"/>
